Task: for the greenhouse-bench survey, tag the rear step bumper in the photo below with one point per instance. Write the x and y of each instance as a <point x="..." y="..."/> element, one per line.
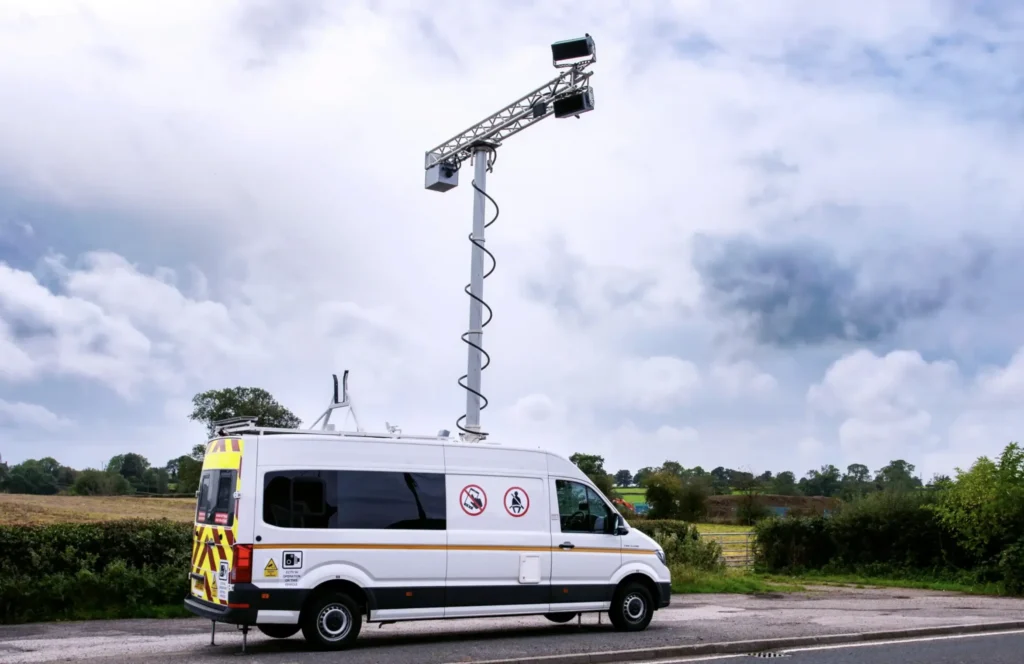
<point x="246" y="601"/>
<point x="220" y="612"/>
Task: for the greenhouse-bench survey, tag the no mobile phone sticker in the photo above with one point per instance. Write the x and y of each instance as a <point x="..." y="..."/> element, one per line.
<point x="473" y="500"/>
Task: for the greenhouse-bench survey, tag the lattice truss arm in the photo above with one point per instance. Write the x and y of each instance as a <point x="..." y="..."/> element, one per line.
<point x="512" y="119"/>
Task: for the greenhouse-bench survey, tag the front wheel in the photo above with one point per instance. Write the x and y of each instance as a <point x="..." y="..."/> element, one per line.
<point x="331" y="621"/>
<point x="279" y="631"/>
<point x="560" y="617"/>
<point x="632" y="608"/>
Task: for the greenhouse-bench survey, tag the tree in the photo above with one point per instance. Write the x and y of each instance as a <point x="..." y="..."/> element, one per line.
<point x="34" y="476"/>
<point x="130" y="466"/>
<point x="592" y="466"/>
<point x="92" y="482"/>
<point x="856" y="482"/>
<point x="623" y="478"/>
<point x="824" y="482"/>
<point x="984" y="508"/>
<point x="784" y="484"/>
<point x="5" y="473"/>
<point x="640" y="479"/>
<point x="673" y="467"/>
<point x="214" y="405"/>
<point x="663" y="492"/>
<point x="672" y="497"/>
<point x="720" y="480"/>
<point x="897" y="476"/>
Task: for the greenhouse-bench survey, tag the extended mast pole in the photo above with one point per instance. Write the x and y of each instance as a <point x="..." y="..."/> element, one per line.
<point x="567" y="95"/>
<point x="476" y="289"/>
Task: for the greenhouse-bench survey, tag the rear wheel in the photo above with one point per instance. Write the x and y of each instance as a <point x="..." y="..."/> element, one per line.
<point x="560" y="617"/>
<point x="331" y="621"/>
<point x="279" y="631"/>
<point x="632" y="608"/>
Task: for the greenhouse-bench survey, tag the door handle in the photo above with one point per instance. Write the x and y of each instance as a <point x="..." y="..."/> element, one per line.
<point x="566" y="545"/>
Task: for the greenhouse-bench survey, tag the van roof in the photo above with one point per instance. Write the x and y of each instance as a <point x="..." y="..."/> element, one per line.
<point x="247" y="428"/>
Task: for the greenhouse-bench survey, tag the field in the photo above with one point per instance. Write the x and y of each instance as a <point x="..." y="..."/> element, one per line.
<point x="23" y="509"/>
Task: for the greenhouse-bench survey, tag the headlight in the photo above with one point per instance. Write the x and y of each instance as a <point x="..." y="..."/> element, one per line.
<point x="661" y="556"/>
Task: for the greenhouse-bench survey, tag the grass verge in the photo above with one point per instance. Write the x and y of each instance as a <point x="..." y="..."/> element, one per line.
<point x="858" y="581"/>
<point x="686" y="580"/>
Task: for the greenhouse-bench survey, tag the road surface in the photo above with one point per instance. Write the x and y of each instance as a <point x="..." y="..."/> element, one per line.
<point x="690" y="619"/>
<point x="999" y="648"/>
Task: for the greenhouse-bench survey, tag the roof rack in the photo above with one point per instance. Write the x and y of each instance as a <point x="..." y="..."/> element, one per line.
<point x="383" y="435"/>
<point x="247" y="424"/>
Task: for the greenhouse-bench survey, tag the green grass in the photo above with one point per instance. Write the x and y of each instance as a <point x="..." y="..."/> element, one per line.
<point x="858" y="581"/>
<point x="632" y="494"/>
<point x="711" y="528"/>
<point x="691" y="581"/>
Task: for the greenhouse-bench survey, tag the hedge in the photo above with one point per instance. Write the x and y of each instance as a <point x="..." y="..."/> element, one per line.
<point x="114" y="569"/>
<point x="883" y="535"/>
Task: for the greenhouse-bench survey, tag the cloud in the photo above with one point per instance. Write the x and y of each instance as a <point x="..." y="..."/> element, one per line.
<point x="902" y="404"/>
<point x="763" y="191"/>
<point x="801" y="293"/>
<point x="19" y="414"/>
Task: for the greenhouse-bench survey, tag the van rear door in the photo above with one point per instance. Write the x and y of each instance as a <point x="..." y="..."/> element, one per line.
<point x="215" y="529"/>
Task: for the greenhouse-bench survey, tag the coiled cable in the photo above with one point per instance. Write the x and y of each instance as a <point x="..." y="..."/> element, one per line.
<point x="492" y="156"/>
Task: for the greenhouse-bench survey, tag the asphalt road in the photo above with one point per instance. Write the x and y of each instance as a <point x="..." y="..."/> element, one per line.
<point x="998" y="648"/>
<point x="690" y="619"/>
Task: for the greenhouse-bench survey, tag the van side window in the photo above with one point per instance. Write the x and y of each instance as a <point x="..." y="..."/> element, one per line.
<point x="299" y="498"/>
<point x="580" y="509"/>
<point x="391" y="501"/>
<point x="354" y="499"/>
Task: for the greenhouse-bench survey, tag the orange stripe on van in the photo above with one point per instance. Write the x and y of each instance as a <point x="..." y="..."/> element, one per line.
<point x="450" y="547"/>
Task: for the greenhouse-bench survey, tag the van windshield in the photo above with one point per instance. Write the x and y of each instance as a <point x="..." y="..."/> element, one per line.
<point x="215" y="504"/>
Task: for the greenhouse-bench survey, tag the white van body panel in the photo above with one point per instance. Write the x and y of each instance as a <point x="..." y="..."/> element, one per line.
<point x="377" y="559"/>
<point x="504" y="547"/>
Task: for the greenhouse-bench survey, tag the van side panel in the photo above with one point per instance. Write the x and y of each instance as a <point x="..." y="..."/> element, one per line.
<point x="499" y="555"/>
<point x="402" y="570"/>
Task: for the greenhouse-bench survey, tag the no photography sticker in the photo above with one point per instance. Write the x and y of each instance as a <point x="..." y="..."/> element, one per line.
<point x="473" y="500"/>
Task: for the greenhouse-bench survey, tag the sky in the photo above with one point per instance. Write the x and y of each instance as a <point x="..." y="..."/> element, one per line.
<point x="788" y="235"/>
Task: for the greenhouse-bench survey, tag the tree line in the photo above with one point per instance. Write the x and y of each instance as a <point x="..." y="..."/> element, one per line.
<point x="827" y="481"/>
<point x="132" y="473"/>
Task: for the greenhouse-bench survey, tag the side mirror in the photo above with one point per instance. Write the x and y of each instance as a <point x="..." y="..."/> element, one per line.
<point x="620" y="526"/>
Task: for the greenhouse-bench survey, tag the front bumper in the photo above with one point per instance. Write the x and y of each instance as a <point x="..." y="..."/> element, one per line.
<point x="664" y="595"/>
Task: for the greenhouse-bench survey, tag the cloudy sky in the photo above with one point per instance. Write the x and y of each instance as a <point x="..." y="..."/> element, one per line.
<point x="789" y="235"/>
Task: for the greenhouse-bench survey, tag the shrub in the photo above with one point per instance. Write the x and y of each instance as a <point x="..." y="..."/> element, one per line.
<point x="671" y="497"/>
<point x="887" y="532"/>
<point x="73" y="570"/>
<point x="91" y="482"/>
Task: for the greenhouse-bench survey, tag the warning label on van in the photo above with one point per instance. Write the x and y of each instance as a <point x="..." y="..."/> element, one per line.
<point x="473" y="500"/>
<point x="517" y="502"/>
<point x="270" y="569"/>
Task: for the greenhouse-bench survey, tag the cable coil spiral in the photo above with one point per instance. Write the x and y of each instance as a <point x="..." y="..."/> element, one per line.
<point x="486" y="358"/>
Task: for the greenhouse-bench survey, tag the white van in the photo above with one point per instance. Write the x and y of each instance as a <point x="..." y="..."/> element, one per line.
<point x="322" y="530"/>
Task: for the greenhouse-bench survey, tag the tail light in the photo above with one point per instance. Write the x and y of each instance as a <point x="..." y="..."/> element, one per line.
<point x="242" y="570"/>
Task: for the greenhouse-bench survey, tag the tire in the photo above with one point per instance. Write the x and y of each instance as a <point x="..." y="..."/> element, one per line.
<point x="331" y="621"/>
<point x="632" y="608"/>
<point x="560" y="618"/>
<point x="279" y="631"/>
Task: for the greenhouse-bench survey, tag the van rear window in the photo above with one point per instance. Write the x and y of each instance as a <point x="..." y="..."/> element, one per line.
<point x="216" y="497"/>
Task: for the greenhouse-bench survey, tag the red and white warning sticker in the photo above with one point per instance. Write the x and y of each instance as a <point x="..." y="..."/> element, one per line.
<point x="473" y="500"/>
<point x="517" y="501"/>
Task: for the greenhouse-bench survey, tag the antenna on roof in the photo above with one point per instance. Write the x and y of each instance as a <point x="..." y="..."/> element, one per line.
<point x="344" y="402"/>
